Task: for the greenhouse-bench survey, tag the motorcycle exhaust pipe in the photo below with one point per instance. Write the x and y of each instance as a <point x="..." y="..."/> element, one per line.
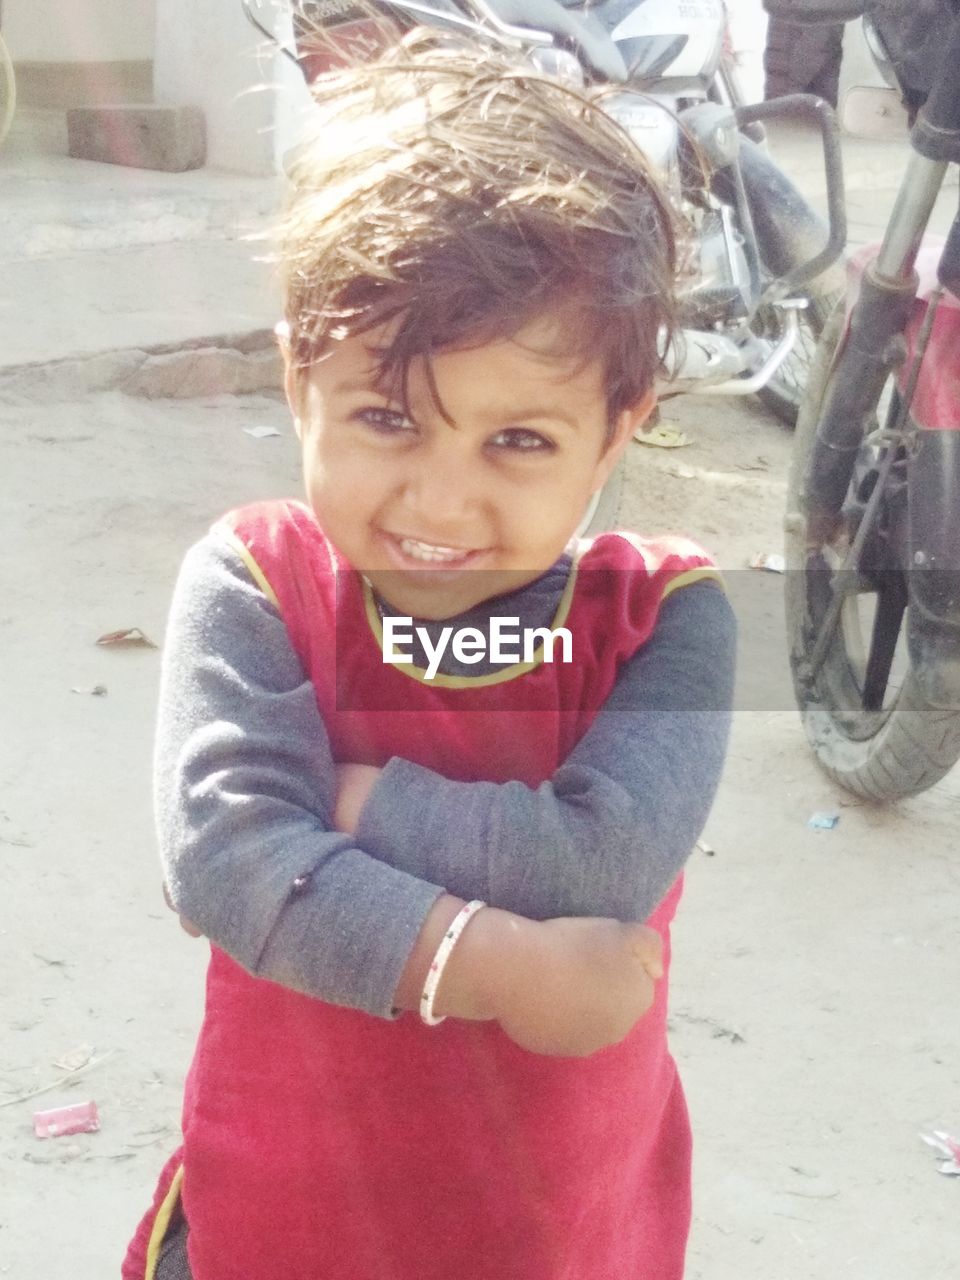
<point x="712" y="364"/>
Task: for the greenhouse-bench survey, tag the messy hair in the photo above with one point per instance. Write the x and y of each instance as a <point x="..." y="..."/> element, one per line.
<point x="459" y="196"/>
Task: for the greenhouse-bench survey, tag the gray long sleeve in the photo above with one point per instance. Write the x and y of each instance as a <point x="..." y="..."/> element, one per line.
<point x="610" y="831"/>
<point x="245" y="795"/>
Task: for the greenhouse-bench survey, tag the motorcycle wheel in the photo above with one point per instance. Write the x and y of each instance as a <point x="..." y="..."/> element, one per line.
<point x="866" y="719"/>
<point x="788" y="232"/>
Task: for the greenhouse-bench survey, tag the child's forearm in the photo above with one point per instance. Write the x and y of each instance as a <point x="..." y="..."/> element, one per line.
<point x="463" y="991"/>
<point x="566" y="987"/>
<point x="610" y="832"/>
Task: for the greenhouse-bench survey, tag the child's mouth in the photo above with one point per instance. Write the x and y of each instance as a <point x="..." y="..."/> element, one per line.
<point x="414" y="553"/>
<point x="430" y="553"/>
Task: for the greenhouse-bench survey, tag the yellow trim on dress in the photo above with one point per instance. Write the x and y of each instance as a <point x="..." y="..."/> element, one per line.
<point x="161" y="1223"/>
<point x="247" y="556"/>
<point x="690" y="576"/>
<point x="512" y="672"/>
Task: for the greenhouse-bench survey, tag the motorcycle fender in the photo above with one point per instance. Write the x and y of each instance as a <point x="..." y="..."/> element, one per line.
<point x="936" y="400"/>
<point x="933" y="574"/>
<point x="933" y="553"/>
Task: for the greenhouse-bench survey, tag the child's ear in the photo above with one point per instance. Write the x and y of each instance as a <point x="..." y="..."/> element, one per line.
<point x="627" y="422"/>
<point x="291" y="383"/>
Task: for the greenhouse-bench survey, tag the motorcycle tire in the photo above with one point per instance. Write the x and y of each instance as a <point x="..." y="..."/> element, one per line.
<point x="883" y="755"/>
<point x="788" y="232"/>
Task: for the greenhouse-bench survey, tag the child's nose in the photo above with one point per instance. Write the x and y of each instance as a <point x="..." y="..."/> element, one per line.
<point x="443" y="487"/>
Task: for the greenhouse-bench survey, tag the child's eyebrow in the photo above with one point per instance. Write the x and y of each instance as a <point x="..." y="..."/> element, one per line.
<point x="533" y="413"/>
<point x="368" y="383"/>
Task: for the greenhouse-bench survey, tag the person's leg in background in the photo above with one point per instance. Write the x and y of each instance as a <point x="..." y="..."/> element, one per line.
<point x="803" y="59"/>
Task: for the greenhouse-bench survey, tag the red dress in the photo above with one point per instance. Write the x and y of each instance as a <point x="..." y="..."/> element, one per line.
<point x="321" y="1143"/>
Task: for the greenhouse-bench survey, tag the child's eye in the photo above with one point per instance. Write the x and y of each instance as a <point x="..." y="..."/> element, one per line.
<point x="386" y="422"/>
<point x="522" y="440"/>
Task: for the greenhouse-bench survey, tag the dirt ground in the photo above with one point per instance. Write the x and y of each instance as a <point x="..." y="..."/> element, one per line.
<point x="816" y="975"/>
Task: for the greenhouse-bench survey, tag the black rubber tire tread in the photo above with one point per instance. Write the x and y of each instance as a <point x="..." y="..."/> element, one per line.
<point x="917" y="744"/>
<point x="916" y="748"/>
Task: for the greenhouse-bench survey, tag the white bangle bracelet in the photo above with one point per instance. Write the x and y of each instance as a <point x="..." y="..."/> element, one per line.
<point x="438" y="964"/>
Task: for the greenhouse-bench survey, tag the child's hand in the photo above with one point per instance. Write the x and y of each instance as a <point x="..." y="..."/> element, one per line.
<point x="581" y="986"/>
<point x="354" y="784"/>
<point x="565" y="987"/>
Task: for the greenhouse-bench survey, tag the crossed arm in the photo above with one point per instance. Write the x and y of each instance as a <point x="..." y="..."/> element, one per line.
<point x="250" y="825"/>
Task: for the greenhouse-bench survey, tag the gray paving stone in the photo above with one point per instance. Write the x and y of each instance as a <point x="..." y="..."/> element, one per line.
<point x="172" y="139"/>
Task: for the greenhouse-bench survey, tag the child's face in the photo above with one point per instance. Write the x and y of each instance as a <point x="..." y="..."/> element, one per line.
<point x="441" y="517"/>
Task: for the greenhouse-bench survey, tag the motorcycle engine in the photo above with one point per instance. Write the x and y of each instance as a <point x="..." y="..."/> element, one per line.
<point x="653" y="126"/>
<point x="715" y="281"/>
<point x="719" y="287"/>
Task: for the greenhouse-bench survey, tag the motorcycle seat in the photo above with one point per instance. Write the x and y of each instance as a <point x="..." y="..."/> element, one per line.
<point x="581" y="32"/>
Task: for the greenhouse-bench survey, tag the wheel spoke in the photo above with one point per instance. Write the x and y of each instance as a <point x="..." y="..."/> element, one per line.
<point x="891" y="603"/>
<point x="841" y="584"/>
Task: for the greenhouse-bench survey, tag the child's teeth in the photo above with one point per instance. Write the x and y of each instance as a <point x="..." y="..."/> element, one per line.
<point x="424" y="550"/>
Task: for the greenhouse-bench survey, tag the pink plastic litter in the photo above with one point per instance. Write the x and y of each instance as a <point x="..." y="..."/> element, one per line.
<point x="60" y="1122"/>
<point x="945" y="1145"/>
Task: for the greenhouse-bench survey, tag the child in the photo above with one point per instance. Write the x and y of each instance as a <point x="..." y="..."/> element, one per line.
<point x="477" y="271"/>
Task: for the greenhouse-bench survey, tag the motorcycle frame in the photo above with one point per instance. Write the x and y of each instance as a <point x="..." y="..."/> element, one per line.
<point x="478" y="17"/>
<point x="815" y="111"/>
<point x="882" y="338"/>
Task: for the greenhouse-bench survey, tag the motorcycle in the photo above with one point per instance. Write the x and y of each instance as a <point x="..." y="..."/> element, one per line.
<point x="758" y="288"/>
<point x="873" y="514"/>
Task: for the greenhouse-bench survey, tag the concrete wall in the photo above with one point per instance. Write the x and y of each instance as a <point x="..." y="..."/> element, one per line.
<point x="858" y="65"/>
<point x="210" y="56"/>
<point x="79" y="30"/>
